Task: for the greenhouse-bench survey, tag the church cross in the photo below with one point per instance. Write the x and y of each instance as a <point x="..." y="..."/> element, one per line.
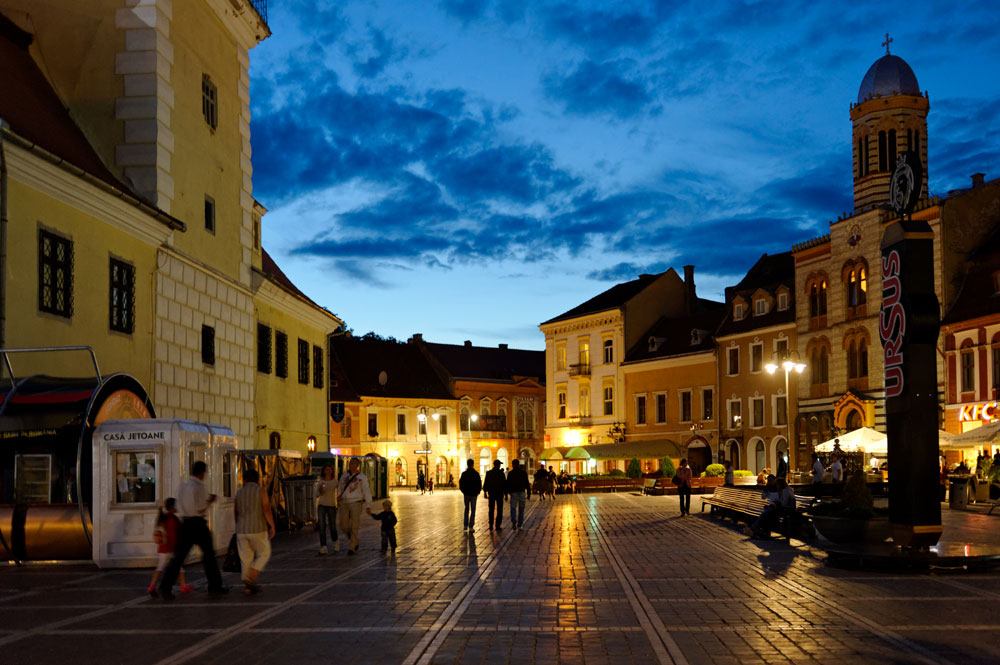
<point x="888" y="40"/>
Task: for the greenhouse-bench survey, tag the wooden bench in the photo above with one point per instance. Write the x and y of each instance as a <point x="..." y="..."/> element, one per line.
<point x="657" y="486"/>
<point x="747" y="505"/>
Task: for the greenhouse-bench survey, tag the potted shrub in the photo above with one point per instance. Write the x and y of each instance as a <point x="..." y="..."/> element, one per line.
<point x="851" y="519"/>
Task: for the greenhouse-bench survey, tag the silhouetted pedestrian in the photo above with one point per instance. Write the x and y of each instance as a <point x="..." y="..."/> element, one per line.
<point x="470" y="484"/>
<point x="518" y="488"/>
<point x="494" y="487"/>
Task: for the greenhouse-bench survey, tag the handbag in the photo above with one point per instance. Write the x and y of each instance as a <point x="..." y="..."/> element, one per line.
<point x="676" y="480"/>
<point x="231" y="564"/>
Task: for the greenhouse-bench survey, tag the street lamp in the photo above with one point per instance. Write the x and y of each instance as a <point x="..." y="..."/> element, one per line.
<point x="473" y="417"/>
<point x="422" y="418"/>
<point x="790" y="363"/>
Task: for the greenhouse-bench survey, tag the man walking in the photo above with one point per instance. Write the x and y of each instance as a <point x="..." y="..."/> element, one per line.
<point x="494" y="488"/>
<point x="518" y="488"/>
<point x="470" y="485"/>
<point x="354" y="495"/>
<point x="193" y="501"/>
<point x="683" y="476"/>
<point x="254" y="529"/>
<point x="817" y="470"/>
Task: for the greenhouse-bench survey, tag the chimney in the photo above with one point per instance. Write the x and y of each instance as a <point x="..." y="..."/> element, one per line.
<point x="468" y="344"/>
<point x="978" y="179"/>
<point x="689" y="291"/>
<point x="503" y="347"/>
<point x="416" y="339"/>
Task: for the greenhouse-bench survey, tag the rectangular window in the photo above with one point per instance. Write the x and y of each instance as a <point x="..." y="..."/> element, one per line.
<point x="738" y="311"/>
<point x="135" y="476"/>
<point x="609" y="351"/>
<point x="317" y="367"/>
<point x="733" y="364"/>
<point x="781" y="348"/>
<point x="401" y="424"/>
<point x="780" y="410"/>
<point x="422" y="427"/>
<point x="121" y="292"/>
<point x="583" y="348"/>
<point x="256" y="231"/>
<point x="208" y="345"/>
<point x="707" y="407"/>
<point x="560" y="356"/>
<point x="782" y="301"/>
<point x="686" y="406"/>
<point x="609" y="400"/>
<point x="209" y="101"/>
<point x="345" y="427"/>
<point x="55" y="274"/>
<point x="280" y="354"/>
<point x="757" y="403"/>
<point x="209" y="214"/>
<point x="584" y="402"/>
<point x="661" y="408"/>
<point x="760" y="307"/>
<point x="968" y="372"/>
<point x="33" y="478"/>
<point x="560" y="402"/>
<point x="756" y="357"/>
<point x="640" y="409"/>
<point x="263" y="348"/>
<point x="735" y="414"/>
<point x="373" y="425"/>
<point x="229" y="466"/>
<point x="303" y="362"/>
<point x="443" y="425"/>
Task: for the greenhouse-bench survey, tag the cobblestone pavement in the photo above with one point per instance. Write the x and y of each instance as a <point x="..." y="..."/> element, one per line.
<point x="590" y="579"/>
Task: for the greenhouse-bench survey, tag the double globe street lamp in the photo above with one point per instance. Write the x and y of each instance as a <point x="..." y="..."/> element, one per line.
<point x="791" y="362"/>
<point x="422" y="419"/>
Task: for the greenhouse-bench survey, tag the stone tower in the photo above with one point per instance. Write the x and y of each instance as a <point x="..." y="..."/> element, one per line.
<point x="889" y="118"/>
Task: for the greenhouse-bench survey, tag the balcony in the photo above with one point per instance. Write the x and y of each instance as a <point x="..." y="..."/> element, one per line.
<point x="580" y="369"/>
<point x="578" y="421"/>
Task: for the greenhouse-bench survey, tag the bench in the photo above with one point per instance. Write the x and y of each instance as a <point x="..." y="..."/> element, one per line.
<point x="749" y="504"/>
<point x="656" y="486"/>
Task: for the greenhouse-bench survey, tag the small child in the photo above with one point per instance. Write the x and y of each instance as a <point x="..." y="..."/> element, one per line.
<point x="388" y="519"/>
<point x="165" y="536"/>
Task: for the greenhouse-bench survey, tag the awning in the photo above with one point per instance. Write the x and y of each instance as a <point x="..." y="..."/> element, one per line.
<point x="987" y="434"/>
<point x="626" y="451"/>
<point x="555" y="453"/>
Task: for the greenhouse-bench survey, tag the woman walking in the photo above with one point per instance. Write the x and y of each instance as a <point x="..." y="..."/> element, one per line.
<point x="326" y="513"/>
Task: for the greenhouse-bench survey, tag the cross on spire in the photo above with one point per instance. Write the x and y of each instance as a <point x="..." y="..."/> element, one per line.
<point x="888" y="40"/>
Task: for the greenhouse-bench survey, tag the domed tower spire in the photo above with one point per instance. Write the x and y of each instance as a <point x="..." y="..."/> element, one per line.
<point x="890" y="117"/>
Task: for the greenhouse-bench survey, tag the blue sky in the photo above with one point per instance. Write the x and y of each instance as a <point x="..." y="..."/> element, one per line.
<point x="467" y="169"/>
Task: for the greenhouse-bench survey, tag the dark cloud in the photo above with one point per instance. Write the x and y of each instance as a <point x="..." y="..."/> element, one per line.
<point x="623" y="272"/>
<point x="597" y="30"/>
<point x="609" y="87"/>
<point x="375" y="54"/>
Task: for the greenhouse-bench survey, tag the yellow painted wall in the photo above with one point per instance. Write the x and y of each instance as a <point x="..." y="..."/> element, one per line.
<point x="206" y="161"/>
<point x="89" y="325"/>
<point x="694" y="376"/>
<point x="292" y="409"/>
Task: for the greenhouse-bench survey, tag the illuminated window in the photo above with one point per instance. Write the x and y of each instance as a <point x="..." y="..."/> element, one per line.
<point x="584" y="402"/>
<point x="609" y="351"/>
<point x="135" y="477"/>
<point x="735" y="413"/>
<point x="583" y="347"/>
<point x="561" y="402"/>
<point x="560" y="356"/>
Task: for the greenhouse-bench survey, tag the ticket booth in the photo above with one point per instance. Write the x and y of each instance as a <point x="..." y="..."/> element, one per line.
<point x="138" y="464"/>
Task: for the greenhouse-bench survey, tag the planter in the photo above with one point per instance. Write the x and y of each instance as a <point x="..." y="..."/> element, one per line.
<point x="847" y="530"/>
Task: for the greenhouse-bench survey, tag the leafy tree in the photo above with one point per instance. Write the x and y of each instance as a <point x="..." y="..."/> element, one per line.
<point x="634" y="470"/>
<point x="667" y="467"/>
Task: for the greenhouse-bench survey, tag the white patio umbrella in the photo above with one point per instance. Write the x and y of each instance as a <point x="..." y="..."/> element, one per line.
<point x="986" y="435"/>
<point x="866" y="439"/>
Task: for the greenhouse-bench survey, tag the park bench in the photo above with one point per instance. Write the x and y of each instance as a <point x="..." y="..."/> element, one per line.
<point x="656" y="486"/>
<point x="747" y="505"/>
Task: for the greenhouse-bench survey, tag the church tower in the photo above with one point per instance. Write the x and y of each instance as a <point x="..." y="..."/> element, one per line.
<point x="889" y="118"/>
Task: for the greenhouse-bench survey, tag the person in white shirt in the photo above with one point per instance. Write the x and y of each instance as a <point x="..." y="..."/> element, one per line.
<point x="837" y="469"/>
<point x="817" y="469"/>
<point x="193" y="501"/>
<point x="354" y="495"/>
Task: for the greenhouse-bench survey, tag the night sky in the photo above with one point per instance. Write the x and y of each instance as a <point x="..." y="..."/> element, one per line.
<point x="467" y="169"/>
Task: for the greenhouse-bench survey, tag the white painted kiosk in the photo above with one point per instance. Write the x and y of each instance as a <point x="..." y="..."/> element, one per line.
<point x="138" y="464"/>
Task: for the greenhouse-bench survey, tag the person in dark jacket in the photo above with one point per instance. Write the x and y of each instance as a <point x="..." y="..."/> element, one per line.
<point x="494" y="487"/>
<point x="470" y="485"/>
<point x="518" y="489"/>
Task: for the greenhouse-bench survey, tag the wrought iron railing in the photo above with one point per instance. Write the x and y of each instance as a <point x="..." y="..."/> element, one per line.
<point x="261" y="7"/>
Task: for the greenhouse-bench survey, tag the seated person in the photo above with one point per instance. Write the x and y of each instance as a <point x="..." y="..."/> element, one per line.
<point x="565" y="483"/>
<point x="781" y="501"/>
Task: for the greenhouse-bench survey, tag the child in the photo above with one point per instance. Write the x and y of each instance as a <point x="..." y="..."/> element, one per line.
<point x="388" y="519"/>
<point x="165" y="536"/>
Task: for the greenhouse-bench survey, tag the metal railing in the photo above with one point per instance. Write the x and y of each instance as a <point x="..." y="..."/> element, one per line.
<point x="581" y="369"/>
<point x="261" y="7"/>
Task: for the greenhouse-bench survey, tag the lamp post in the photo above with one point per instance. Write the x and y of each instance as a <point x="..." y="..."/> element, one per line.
<point x="422" y="418"/>
<point x="473" y="417"/>
<point x="790" y="363"/>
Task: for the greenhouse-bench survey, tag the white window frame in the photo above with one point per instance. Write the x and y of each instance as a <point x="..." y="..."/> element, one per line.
<point x="763" y="412"/>
<point x="608" y="350"/>
<point x="711" y="403"/>
<point x="680" y="405"/>
<point x="561" y="356"/>
<point x="640" y="399"/>
<point x="604" y="399"/>
<point x="658" y="415"/>
<point x="776" y="412"/>
<point x="729" y="413"/>
<point x="783" y="301"/>
<point x="777" y="350"/>
<point x="561" y="403"/>
<point x="583" y="401"/>
<point x="729" y="364"/>
<point x="760" y="368"/>
<point x="759" y="307"/>
<point x="737" y="311"/>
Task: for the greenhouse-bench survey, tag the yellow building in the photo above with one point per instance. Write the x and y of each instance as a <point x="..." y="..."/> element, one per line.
<point x="291" y="386"/>
<point x="393" y="404"/>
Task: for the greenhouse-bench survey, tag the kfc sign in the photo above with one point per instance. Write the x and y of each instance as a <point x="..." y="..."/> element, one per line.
<point x="988" y="411"/>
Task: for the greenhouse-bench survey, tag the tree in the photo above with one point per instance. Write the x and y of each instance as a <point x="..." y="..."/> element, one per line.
<point x="634" y="470"/>
<point x="667" y="467"/>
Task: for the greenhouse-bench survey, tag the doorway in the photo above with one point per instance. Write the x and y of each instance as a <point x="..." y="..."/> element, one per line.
<point x="699" y="457"/>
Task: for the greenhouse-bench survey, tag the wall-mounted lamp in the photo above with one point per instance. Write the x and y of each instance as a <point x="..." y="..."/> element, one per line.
<point x="311" y="444"/>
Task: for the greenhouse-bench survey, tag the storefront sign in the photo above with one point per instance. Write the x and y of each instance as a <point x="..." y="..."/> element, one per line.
<point x="145" y="435"/>
<point x="892" y="324"/>
<point x="423" y="452"/>
<point x="121" y="404"/>
<point x="987" y="411"/>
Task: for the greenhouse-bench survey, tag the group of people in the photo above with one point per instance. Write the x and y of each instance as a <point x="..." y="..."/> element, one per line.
<point x="780" y="502"/>
<point x="425" y="483"/>
<point x="181" y="524"/>
<point x="547" y="483"/>
<point x="497" y="487"/>
<point x="836" y="469"/>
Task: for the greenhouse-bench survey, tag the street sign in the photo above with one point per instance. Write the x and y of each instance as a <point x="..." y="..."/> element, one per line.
<point x="423" y="452"/>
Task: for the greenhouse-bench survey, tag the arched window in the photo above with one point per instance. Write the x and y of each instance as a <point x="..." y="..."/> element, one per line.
<point x="814" y="300"/>
<point x="854" y="420"/>
<point x="485" y="461"/>
<point x="502" y="413"/>
<point x="529" y="421"/>
<point x="274" y="441"/>
<point x="760" y="457"/>
<point x="883" y="156"/>
<point x="862" y="358"/>
<point x="463" y="417"/>
<point x="822" y="298"/>
<point x="892" y="149"/>
<point x="852" y="361"/>
<point x="824" y="365"/>
<point x="814" y="369"/>
<point x="502" y="456"/>
<point x="520" y="420"/>
<point x="867" y="156"/>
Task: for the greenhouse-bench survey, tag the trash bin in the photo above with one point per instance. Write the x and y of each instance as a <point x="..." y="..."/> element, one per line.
<point x="958" y="493"/>
<point x="300" y="498"/>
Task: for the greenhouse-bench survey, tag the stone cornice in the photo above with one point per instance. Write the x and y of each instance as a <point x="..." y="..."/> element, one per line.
<point x="584" y="322"/>
<point x="242" y="20"/>
<point x="277" y="297"/>
<point x="61" y="185"/>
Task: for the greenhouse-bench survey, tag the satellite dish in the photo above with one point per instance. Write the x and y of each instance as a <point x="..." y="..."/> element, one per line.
<point x="383" y="378"/>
